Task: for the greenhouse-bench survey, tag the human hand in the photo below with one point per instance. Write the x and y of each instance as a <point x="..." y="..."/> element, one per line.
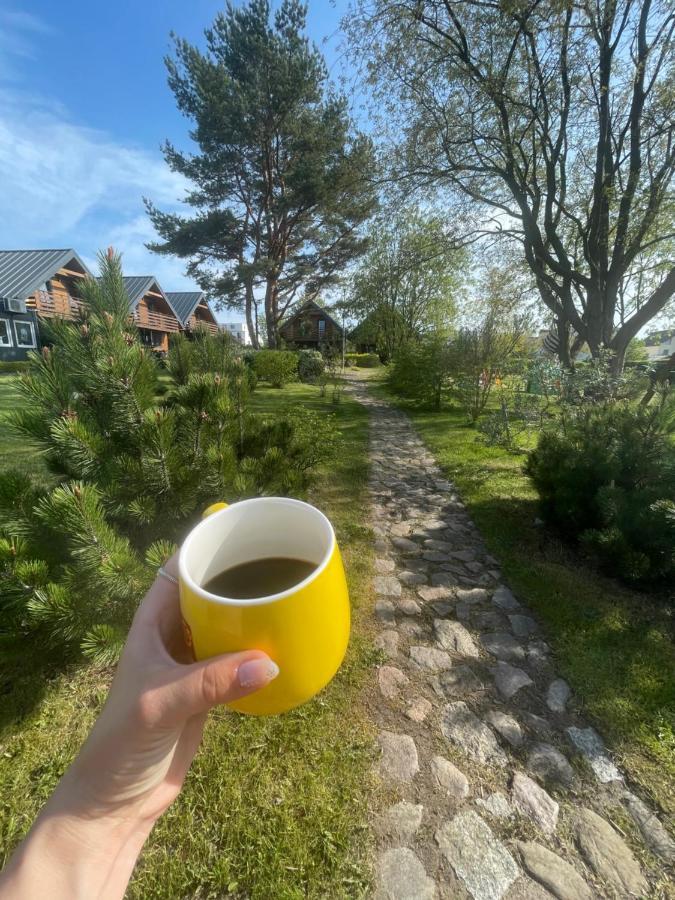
<point x="136" y="758"/>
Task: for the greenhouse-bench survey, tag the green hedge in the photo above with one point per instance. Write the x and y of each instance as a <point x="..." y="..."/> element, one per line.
<point x="277" y="367"/>
<point x="13" y="365"/>
<point x="362" y="360"/>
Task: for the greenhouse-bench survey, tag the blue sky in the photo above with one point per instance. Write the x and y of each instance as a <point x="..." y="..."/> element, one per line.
<point x="84" y="107"/>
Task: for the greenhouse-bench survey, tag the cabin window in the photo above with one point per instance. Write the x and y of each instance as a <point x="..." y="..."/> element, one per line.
<point x="322" y="327"/>
<point x="5" y="333"/>
<point x="25" y="334"/>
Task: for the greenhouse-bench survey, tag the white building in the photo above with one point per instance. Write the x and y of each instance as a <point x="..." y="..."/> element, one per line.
<point x="238" y="330"/>
<point x="660" y="345"/>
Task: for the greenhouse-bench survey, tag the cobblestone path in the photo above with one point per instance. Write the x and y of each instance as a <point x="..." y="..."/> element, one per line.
<point x="496" y="786"/>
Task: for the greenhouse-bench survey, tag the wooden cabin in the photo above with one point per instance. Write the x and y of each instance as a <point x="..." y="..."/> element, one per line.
<point x="311" y="327"/>
<point x="35" y="284"/>
<point x="151" y="311"/>
<point x="193" y="310"/>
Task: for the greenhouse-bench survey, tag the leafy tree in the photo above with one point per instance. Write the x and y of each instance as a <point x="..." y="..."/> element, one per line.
<point x="281" y="181"/>
<point x="553" y="125"/>
<point x="407" y="283"/>
<point x="490" y="348"/>
<point x="421" y="369"/>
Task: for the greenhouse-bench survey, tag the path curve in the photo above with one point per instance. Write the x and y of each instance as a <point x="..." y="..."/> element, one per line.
<point x="497" y="787"/>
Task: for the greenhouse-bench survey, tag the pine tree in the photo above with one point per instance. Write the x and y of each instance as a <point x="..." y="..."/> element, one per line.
<point x="281" y="180"/>
<point x="132" y="470"/>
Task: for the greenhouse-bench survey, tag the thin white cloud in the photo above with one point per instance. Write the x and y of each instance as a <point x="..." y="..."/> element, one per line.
<point x="68" y="185"/>
<point x="18" y="31"/>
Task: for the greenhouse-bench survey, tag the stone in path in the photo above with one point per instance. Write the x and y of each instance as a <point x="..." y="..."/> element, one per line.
<point x="481" y="861"/>
<point x="459" y="681"/>
<point x="419" y="709"/>
<point x="497" y="805"/>
<point x="454" y="783"/>
<point x="387" y="641"/>
<point x="557" y="695"/>
<point x="608" y="854"/>
<point x="454" y="637"/>
<point x="444" y="579"/>
<point x="472" y="595"/>
<point x="405" y="545"/>
<point x="463" y="728"/>
<point x="401" y="876"/>
<point x="504" y="599"/>
<point x="399" y="756"/>
<point x="534" y="803"/>
<point x="430" y="594"/>
<point x="412" y="578"/>
<point x="503" y="646"/>
<point x="589" y="743"/>
<point x="409" y="607"/>
<point x="385" y="611"/>
<point x="506" y="725"/>
<point x="402" y="820"/>
<point x="387" y="586"/>
<point x="654" y="834"/>
<point x="550" y="765"/>
<point x="391" y="680"/>
<point x="384" y="566"/>
<point x="430" y="658"/>
<point x="522" y="626"/>
<point x="556" y="875"/>
<point x="509" y="679"/>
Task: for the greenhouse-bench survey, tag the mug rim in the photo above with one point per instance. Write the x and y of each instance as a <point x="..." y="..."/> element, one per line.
<point x="191" y="584"/>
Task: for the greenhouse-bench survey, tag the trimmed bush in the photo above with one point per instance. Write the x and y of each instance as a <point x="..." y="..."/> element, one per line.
<point x="277" y="367"/>
<point x="311" y="365"/>
<point x="362" y="360"/>
<point x="607" y="478"/>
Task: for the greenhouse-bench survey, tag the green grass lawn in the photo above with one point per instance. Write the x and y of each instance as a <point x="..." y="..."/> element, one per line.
<point x="613" y="645"/>
<point x="14" y="451"/>
<point x="273" y="808"/>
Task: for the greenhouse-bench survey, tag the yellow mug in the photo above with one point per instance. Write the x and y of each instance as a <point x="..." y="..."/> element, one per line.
<point x="304" y="629"/>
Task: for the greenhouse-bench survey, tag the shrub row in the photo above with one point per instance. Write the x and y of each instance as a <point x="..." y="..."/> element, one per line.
<point x="362" y="360"/>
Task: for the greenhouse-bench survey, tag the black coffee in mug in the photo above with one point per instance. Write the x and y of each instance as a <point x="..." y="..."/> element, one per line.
<point x="259" y="578"/>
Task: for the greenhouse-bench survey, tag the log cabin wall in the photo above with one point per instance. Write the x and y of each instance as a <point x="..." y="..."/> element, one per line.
<point x="306" y="329"/>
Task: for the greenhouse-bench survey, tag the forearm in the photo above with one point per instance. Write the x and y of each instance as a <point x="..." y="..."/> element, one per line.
<point x="67" y="856"/>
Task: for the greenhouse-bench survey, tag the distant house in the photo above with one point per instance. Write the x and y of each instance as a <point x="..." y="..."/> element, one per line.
<point x="152" y="311"/>
<point x="660" y="345"/>
<point x="35" y="283"/>
<point x="310" y="327"/>
<point x="239" y="332"/>
<point x="193" y="310"/>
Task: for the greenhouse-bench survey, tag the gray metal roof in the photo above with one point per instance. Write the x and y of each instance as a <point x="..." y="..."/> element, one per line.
<point x="138" y="285"/>
<point x="23" y="271"/>
<point x="185" y="302"/>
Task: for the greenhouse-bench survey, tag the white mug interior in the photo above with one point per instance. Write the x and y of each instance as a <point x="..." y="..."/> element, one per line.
<point x="255" y="529"/>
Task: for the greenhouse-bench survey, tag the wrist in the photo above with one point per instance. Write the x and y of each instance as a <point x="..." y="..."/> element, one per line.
<point x="73" y="848"/>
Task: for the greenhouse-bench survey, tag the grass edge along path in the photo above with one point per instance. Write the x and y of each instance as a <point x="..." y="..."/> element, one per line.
<point x="613" y="645"/>
<point x="277" y="807"/>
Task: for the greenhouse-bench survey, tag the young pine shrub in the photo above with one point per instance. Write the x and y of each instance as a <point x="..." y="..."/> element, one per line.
<point x="606" y="476"/>
<point x="132" y="471"/>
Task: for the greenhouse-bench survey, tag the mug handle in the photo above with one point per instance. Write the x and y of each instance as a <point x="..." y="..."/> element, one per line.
<point x="214" y="508"/>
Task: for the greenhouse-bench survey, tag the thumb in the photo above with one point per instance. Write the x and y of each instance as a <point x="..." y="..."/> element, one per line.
<point x="220" y="679"/>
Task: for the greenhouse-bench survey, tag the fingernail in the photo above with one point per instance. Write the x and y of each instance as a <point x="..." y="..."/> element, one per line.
<point x="257" y="672"/>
